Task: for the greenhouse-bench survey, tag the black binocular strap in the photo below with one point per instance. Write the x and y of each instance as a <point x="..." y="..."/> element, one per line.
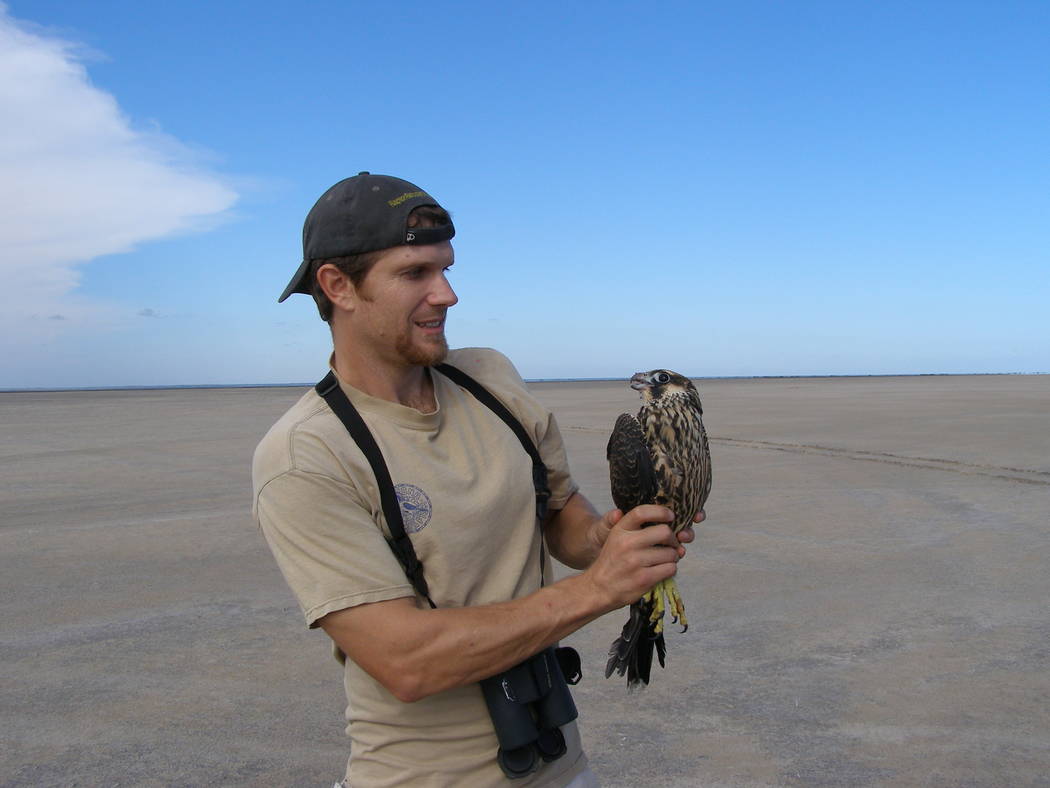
<point x="328" y="388"/>
<point x="355" y="425"/>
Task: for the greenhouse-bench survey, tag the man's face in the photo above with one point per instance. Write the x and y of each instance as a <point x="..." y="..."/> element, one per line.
<point x="401" y="304"/>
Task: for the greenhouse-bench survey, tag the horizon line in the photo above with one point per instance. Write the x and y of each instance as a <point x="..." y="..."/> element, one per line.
<point x="175" y="386"/>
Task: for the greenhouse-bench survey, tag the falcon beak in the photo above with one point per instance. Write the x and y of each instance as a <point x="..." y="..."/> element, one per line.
<point x="640" y="381"/>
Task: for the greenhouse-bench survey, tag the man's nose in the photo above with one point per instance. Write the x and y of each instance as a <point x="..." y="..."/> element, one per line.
<point x="443" y="294"/>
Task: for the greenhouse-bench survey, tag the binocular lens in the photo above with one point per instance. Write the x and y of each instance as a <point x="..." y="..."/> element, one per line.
<point x="519" y="762"/>
<point x="551" y="744"/>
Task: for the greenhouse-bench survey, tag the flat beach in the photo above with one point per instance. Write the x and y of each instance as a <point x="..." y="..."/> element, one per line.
<point x="869" y="598"/>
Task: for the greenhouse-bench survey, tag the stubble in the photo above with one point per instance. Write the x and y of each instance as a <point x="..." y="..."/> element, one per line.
<point x="426" y="354"/>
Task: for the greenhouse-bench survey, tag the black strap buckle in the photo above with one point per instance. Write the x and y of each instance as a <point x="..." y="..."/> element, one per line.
<point x="328" y="384"/>
<point x="543" y="493"/>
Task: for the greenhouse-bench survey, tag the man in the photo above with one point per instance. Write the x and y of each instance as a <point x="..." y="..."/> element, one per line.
<point x="376" y="253"/>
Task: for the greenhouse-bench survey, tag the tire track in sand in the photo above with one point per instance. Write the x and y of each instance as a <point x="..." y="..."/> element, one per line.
<point x="1021" y="475"/>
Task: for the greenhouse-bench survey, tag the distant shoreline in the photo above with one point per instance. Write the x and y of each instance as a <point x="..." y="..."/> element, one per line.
<point x="171" y="387"/>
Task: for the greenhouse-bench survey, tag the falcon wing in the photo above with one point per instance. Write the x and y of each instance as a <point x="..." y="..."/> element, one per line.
<point x="631" y="472"/>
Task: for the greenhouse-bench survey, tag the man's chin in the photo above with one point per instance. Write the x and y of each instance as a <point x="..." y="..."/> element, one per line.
<point x="426" y="354"/>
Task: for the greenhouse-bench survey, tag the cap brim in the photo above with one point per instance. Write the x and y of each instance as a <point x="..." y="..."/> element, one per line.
<point x="298" y="284"/>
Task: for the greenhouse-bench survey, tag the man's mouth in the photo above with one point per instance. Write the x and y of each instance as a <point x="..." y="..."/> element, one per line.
<point x="431" y="323"/>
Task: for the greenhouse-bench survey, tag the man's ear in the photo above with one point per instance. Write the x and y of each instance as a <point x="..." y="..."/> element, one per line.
<point x="337" y="286"/>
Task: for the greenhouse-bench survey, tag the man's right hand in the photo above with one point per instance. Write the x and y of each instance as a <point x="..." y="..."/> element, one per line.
<point x="634" y="558"/>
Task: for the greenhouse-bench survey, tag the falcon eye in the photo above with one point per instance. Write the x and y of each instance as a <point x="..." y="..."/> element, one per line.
<point x="662" y="377"/>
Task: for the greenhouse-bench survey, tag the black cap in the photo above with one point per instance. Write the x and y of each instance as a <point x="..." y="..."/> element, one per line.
<point x="362" y="214"/>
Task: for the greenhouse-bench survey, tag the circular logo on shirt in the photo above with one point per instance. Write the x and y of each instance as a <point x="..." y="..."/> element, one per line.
<point x="415" y="507"/>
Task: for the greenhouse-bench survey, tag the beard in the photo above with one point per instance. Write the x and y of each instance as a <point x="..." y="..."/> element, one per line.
<point x="426" y="353"/>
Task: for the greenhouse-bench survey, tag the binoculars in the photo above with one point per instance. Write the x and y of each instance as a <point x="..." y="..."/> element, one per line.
<point x="528" y="703"/>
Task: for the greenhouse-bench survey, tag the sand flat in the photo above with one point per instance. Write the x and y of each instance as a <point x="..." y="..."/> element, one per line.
<point x="868" y="597"/>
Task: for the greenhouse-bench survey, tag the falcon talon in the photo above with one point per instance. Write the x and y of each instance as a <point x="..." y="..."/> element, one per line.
<point x="659" y="456"/>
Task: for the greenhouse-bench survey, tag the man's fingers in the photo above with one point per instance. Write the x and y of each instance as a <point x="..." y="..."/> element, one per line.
<point x="654" y="535"/>
<point x="647" y="513"/>
<point x="661" y="571"/>
<point x="700" y="517"/>
<point x="685" y="536"/>
<point x="663" y="555"/>
<point x="656" y="559"/>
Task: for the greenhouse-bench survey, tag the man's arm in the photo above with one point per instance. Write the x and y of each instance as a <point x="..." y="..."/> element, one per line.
<point x="576" y="532"/>
<point x="415" y="653"/>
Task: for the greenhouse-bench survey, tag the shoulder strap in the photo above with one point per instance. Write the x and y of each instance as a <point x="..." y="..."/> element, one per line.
<point x="483" y="395"/>
<point x="329" y="389"/>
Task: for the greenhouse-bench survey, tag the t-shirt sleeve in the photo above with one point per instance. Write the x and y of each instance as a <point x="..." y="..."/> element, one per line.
<point x="331" y="552"/>
<point x="552" y="451"/>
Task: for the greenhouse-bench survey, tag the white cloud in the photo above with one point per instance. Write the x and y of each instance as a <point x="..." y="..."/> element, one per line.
<point x="78" y="180"/>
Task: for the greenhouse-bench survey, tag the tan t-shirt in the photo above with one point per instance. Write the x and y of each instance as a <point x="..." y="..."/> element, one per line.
<point x="465" y="487"/>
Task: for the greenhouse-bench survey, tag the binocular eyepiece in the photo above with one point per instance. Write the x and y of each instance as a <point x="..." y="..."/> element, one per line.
<point x="528" y="703"/>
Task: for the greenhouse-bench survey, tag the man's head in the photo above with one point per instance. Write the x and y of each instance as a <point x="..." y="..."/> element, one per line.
<point x="395" y="316"/>
<point x="357" y="218"/>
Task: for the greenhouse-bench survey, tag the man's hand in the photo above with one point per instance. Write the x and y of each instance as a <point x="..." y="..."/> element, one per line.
<point x="576" y="533"/>
<point x="634" y="558"/>
<point x="602" y="526"/>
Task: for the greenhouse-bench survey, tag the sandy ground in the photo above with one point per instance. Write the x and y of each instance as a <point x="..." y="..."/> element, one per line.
<point x="869" y="596"/>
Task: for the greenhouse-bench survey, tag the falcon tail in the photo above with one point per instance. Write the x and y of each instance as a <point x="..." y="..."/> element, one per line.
<point x="632" y="652"/>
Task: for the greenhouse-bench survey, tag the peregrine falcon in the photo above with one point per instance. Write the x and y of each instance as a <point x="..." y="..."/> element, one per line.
<point x="662" y="457"/>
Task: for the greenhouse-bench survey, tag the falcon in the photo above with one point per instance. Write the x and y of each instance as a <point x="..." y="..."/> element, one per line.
<point x="660" y="456"/>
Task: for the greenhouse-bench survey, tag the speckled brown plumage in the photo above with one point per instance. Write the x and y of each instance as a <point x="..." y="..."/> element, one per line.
<point x="661" y="456"/>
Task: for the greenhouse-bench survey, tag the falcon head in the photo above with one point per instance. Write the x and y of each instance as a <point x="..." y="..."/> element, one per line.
<point x="662" y="384"/>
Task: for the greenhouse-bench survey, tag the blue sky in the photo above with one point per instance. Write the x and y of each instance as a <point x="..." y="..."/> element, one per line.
<point x="747" y="188"/>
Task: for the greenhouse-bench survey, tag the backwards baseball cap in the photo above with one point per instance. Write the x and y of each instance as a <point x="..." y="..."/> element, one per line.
<point x="363" y="214"/>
